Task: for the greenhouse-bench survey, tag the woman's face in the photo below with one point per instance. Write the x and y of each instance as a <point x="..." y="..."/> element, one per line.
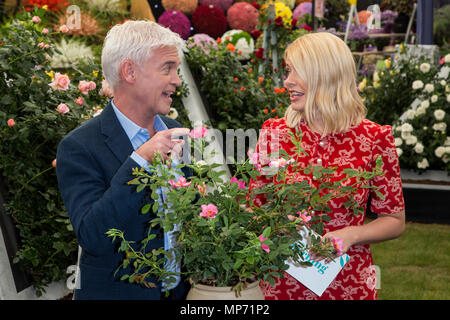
<point x="296" y="88"/>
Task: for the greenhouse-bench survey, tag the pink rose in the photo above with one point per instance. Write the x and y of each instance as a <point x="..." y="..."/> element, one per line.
<point x="199" y="132"/>
<point x="304" y="215"/>
<point x="241" y="184"/>
<point x="11" y="123"/>
<point x="60" y="82"/>
<point x="208" y="211"/>
<point x="41" y="45"/>
<point x="45" y="31"/>
<point x="265" y="247"/>
<point x="83" y="86"/>
<point x="64" y="28"/>
<point x="281" y="162"/>
<point x="182" y="182"/>
<point x="202" y="188"/>
<point x="62" y="108"/>
<point x="79" y="101"/>
<point x="92" y="85"/>
<point x="106" y="90"/>
<point x="54" y="163"/>
<point x="36" y="19"/>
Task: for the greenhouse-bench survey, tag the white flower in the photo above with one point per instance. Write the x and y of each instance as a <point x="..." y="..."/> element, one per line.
<point x="425" y="104"/>
<point x="406" y="127"/>
<point x="201" y="163"/>
<point x="425" y="67"/>
<point x="439" y="114"/>
<point x="173" y="113"/>
<point x="399" y="152"/>
<point x="447" y="141"/>
<point x="398" y="142"/>
<point x="439" y="151"/>
<point x="72" y="53"/>
<point x="447" y="58"/>
<point x="423" y="164"/>
<point x="434" y="98"/>
<point x="448" y="98"/>
<point x="105" y="5"/>
<point x="418" y="148"/>
<point x="429" y="88"/>
<point x="447" y="88"/>
<point x="410" y="114"/>
<point x="440" y="126"/>
<point x="406" y="134"/>
<point x="376" y="77"/>
<point x="447" y="150"/>
<point x="443" y="83"/>
<point x="411" y="140"/>
<point x="418" y="84"/>
<point x="420" y="110"/>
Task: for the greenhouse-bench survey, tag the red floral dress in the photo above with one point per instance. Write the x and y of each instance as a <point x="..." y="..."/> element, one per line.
<point x="357" y="149"/>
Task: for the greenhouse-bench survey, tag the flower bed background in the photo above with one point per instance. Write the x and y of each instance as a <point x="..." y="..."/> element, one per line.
<point x="236" y="78"/>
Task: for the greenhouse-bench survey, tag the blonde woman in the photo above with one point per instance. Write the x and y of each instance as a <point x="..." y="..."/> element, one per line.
<point x="326" y="106"/>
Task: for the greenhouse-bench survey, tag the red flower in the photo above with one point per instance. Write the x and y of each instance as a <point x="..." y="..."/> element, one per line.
<point x="256" y="5"/>
<point x="294" y="22"/>
<point x="307" y="28"/>
<point x="279" y="21"/>
<point x="259" y="53"/>
<point x="256" y="33"/>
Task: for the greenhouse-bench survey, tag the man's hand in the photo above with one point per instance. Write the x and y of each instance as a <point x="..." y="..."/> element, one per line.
<point x="163" y="142"/>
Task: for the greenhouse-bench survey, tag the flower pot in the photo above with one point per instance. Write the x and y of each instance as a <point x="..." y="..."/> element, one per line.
<point x="204" y="292"/>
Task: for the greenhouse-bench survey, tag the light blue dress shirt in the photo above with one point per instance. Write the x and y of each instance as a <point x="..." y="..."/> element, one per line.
<point x="139" y="136"/>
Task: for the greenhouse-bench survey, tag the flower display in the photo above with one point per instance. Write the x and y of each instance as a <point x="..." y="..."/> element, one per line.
<point x="302" y="9"/>
<point x="242" y="16"/>
<point x="86" y="86"/>
<point x="185" y="6"/>
<point x="242" y="42"/>
<point x="72" y="52"/>
<point x="210" y="20"/>
<point x="208" y="211"/>
<point x="181" y="183"/>
<point x="177" y="22"/>
<point x="203" y="41"/>
<point x="221" y="4"/>
<point x="63" y="108"/>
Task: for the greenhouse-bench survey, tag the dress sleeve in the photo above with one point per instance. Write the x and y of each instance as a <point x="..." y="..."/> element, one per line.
<point x="389" y="184"/>
<point x="261" y="160"/>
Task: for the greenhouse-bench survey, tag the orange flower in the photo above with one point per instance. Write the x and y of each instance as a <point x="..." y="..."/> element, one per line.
<point x="242" y="88"/>
<point x="274" y="110"/>
<point x="236" y="79"/>
<point x="277" y="90"/>
<point x="266" y="111"/>
<point x="218" y="40"/>
<point x="231" y="47"/>
<point x="260" y="79"/>
<point x="250" y="70"/>
<point x="240" y="52"/>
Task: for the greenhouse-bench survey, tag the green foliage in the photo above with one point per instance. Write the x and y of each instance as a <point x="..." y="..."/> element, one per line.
<point x="48" y="244"/>
<point x="441" y="26"/>
<point x="226" y="248"/>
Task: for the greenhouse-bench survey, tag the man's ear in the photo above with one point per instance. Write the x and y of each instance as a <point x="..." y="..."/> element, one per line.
<point x="128" y="71"/>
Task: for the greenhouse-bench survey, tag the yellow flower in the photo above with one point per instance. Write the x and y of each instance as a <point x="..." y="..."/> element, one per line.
<point x="376" y="84"/>
<point x="387" y="63"/>
<point x="45" y="7"/>
<point x="50" y="74"/>
<point x="376" y="78"/>
<point x="95" y="73"/>
<point x="362" y="85"/>
<point x="281" y="10"/>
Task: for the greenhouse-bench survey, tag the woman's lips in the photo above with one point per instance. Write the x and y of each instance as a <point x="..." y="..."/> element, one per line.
<point x="295" y="95"/>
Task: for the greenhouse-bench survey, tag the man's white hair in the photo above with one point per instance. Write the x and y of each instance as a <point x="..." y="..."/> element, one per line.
<point x="134" y="40"/>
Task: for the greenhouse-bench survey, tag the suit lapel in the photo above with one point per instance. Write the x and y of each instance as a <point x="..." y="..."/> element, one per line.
<point x="115" y="137"/>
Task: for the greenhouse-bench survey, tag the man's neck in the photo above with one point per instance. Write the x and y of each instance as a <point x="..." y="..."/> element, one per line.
<point x="140" y="117"/>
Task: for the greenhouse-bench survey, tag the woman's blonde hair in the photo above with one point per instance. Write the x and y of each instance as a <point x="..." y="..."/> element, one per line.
<point x="325" y="63"/>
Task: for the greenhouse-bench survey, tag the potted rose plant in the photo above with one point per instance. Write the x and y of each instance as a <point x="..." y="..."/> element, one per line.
<point x="223" y="239"/>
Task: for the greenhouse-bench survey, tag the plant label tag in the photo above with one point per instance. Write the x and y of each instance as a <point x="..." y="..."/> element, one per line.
<point x="319" y="275"/>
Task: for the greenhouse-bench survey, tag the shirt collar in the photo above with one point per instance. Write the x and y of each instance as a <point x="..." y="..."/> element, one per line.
<point x="131" y="128"/>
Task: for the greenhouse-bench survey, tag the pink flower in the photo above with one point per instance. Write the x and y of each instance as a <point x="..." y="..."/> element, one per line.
<point x="241" y="184"/>
<point x="79" y="101"/>
<point x="11" y="123"/>
<point x="202" y="189"/>
<point x="41" y="45"/>
<point x="64" y="28"/>
<point x="106" y="90"/>
<point x="45" y="31"/>
<point x="304" y="215"/>
<point x="199" y="132"/>
<point x="281" y="162"/>
<point x="338" y="245"/>
<point x="60" y="82"/>
<point x="86" y="86"/>
<point x="62" y="108"/>
<point x="265" y="247"/>
<point x="36" y="19"/>
<point x="54" y="163"/>
<point x="182" y="182"/>
<point x="208" y="211"/>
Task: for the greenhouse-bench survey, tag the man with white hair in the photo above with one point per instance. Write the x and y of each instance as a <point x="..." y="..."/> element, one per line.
<point x="95" y="161"/>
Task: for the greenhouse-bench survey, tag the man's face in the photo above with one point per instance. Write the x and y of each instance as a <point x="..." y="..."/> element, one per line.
<point x="157" y="79"/>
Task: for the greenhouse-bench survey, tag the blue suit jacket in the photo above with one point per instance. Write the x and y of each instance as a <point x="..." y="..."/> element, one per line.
<point x="93" y="168"/>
